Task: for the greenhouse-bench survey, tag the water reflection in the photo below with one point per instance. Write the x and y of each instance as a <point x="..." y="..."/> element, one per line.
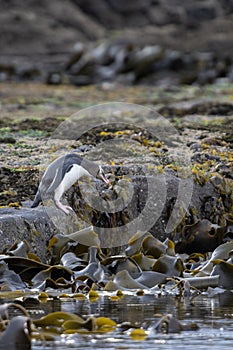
<point x="213" y="315"/>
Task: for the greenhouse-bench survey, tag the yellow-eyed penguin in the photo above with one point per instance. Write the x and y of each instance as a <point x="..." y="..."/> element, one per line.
<point x="61" y="174"/>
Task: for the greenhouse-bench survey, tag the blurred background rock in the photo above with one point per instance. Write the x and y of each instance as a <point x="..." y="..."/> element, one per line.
<point x="130" y="42"/>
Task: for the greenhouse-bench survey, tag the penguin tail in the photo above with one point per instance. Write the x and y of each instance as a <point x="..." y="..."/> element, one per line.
<point x="37" y="200"/>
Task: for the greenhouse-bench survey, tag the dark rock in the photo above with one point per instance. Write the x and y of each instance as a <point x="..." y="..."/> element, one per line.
<point x="6" y="70"/>
<point x="7" y="139"/>
<point x="196" y="13"/>
<point x="128" y="7"/>
<point x="195" y="147"/>
<point x="84" y="148"/>
<point x="224" y="170"/>
<point x="161" y="194"/>
<point x="213" y="208"/>
<point x="54" y="78"/>
<point x="207" y="76"/>
<point x="227" y="5"/>
<point x="27" y="72"/>
<point x="174" y="60"/>
<point x="202" y="157"/>
<point x="197" y="107"/>
<point x="36" y="226"/>
<point x="230" y="75"/>
<point x="33" y="226"/>
<point x="75" y="57"/>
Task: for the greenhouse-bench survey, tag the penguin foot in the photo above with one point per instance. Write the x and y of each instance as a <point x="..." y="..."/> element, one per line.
<point x="65" y="208"/>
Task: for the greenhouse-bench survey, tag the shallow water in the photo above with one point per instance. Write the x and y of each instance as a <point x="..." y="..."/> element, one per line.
<point x="213" y="315"/>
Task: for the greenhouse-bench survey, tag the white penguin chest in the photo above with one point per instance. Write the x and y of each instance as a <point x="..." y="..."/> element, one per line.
<point x="70" y="178"/>
<point x="73" y="175"/>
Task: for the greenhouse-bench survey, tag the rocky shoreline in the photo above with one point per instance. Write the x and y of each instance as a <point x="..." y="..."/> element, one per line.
<point x="149" y="42"/>
<point x="205" y="127"/>
<point x="124" y="62"/>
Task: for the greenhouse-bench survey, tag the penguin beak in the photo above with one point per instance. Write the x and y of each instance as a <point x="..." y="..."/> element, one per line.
<point x="103" y="177"/>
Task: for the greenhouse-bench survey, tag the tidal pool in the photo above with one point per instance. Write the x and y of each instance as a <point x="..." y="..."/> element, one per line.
<point x="213" y="316"/>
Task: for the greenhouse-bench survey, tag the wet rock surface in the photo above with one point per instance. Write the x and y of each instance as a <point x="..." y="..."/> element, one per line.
<point x="32" y="226"/>
<point x="35" y="226"/>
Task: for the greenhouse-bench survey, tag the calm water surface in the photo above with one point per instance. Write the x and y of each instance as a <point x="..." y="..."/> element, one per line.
<point x="214" y="316"/>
